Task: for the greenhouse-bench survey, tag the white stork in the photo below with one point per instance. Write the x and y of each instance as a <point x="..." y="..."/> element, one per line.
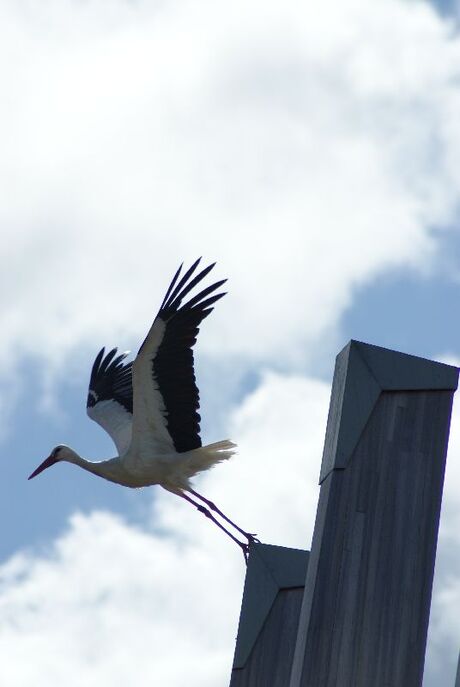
<point x="149" y="406"/>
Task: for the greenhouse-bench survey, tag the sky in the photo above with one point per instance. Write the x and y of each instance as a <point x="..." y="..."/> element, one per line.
<point x="313" y="151"/>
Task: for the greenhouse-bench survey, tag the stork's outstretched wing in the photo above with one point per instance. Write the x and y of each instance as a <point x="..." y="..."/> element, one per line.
<point x="165" y="395"/>
<point x="110" y="397"/>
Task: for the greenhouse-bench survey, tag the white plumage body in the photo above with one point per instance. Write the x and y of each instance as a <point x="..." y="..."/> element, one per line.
<point x="144" y="468"/>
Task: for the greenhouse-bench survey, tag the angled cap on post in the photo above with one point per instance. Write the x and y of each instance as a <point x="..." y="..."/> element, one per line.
<point x="362" y="372"/>
<point x="270" y="569"/>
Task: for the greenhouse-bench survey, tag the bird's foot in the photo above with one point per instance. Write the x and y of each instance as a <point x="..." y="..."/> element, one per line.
<point x="252" y="539"/>
<point x="245" y="549"/>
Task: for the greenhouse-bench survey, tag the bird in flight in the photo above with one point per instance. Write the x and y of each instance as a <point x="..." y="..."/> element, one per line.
<point x="149" y="407"/>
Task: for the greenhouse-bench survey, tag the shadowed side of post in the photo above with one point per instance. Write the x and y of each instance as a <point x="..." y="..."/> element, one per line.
<point x="269" y="616"/>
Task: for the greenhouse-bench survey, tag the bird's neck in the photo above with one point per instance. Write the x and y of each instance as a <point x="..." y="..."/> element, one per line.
<point x="109" y="469"/>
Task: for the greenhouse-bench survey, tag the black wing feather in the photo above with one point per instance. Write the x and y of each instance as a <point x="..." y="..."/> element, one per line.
<point x="179" y="286"/>
<point x="173" y="364"/>
<point x="171" y="286"/>
<point x="111" y="378"/>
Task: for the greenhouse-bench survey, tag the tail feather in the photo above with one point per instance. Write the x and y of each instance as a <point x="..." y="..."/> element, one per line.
<point x="206" y="457"/>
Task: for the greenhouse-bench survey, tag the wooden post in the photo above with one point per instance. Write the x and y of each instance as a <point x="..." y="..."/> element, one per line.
<point x="269" y="615"/>
<point x="366" y="603"/>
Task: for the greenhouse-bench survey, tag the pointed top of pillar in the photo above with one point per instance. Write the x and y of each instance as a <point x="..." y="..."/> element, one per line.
<point x="270" y="568"/>
<point x="362" y="372"/>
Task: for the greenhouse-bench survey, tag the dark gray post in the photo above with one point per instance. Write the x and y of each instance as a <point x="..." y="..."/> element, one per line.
<point x="269" y="616"/>
<point x="457" y="679"/>
<point x="367" y="595"/>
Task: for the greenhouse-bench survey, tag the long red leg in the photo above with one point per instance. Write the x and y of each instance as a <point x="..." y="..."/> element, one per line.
<point x="202" y="509"/>
<point x="250" y="537"/>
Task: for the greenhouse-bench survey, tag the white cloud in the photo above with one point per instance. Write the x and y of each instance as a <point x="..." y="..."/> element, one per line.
<point x="444" y="633"/>
<point x="111" y="604"/>
<point x="305" y="148"/>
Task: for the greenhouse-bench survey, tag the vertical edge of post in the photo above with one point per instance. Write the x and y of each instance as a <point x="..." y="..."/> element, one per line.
<point x="334" y="605"/>
<point x="457" y="679"/>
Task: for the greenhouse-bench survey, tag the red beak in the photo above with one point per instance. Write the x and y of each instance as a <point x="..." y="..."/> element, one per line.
<point x="46" y="464"/>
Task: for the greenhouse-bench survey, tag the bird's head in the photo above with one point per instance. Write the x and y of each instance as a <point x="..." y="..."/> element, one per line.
<point x="57" y="455"/>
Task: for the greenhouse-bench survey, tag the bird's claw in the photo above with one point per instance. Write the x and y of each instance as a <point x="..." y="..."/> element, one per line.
<point x="245" y="549"/>
<point x="252" y="539"/>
